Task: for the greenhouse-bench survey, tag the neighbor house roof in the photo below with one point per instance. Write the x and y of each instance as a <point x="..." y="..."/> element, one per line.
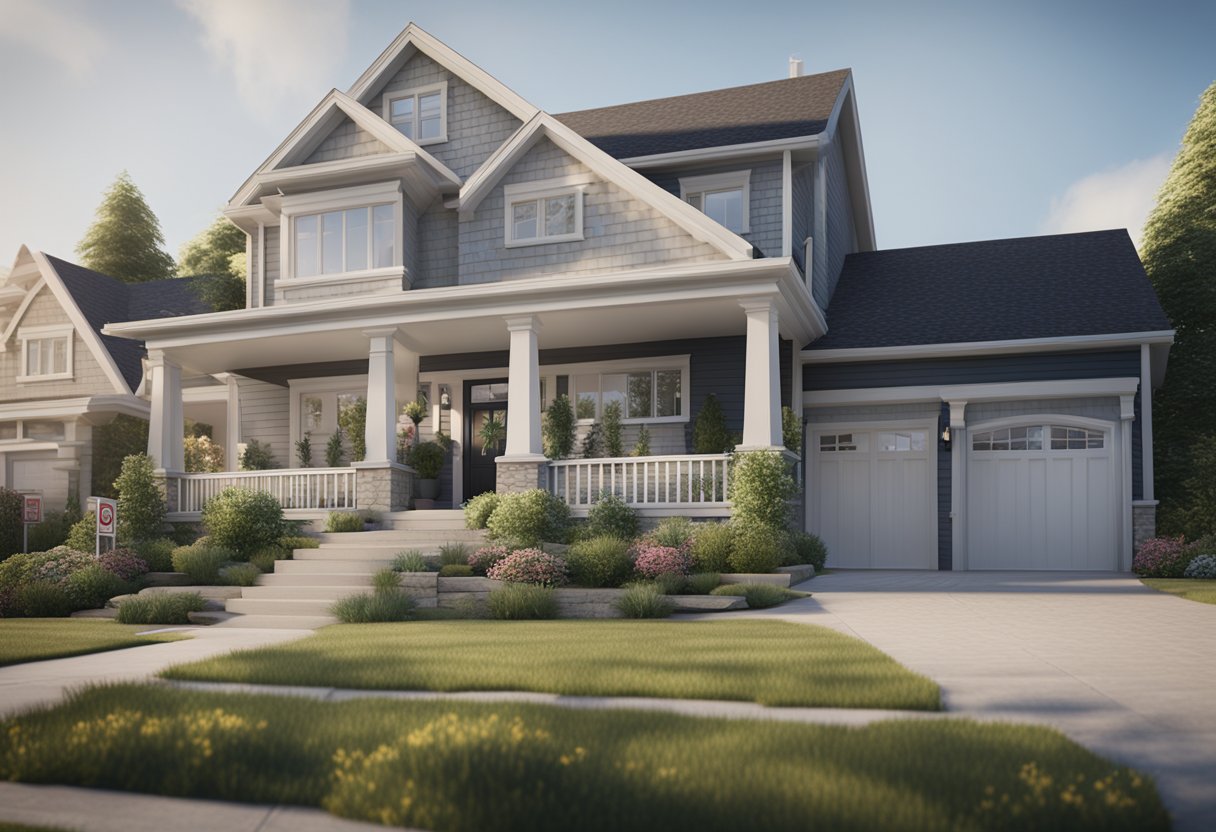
<point x="996" y="290"/>
<point x="103" y="300"/>
<point x="782" y="109"/>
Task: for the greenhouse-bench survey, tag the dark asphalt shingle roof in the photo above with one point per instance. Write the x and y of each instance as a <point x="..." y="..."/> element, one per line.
<point x="758" y="112"/>
<point x="103" y="300"/>
<point x="1030" y="287"/>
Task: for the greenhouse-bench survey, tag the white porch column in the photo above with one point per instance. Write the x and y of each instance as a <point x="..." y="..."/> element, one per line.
<point x="1127" y="415"/>
<point x="232" y="437"/>
<point x="958" y="485"/>
<point x="762" y="379"/>
<point x="1146" y="422"/>
<point x="166" y="426"/>
<point x="523" y="392"/>
<point x="380" y="432"/>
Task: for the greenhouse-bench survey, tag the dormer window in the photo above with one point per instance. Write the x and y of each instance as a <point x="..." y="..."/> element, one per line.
<point x="544" y="212"/>
<point x="723" y="197"/>
<point x="420" y="114"/>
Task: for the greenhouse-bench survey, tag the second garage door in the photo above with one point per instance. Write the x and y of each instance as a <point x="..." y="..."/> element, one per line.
<point x="37" y="472"/>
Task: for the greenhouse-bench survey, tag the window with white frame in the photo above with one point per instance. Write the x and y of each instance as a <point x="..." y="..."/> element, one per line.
<point x="544" y="212"/>
<point x="420" y="114"/>
<point x="1039" y="438"/>
<point x="46" y="354"/>
<point x="351" y="240"/>
<point x="837" y="442"/>
<point x="723" y="197"/>
<point x="644" y="395"/>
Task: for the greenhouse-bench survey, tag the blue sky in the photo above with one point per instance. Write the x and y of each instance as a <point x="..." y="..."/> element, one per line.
<point x="979" y="119"/>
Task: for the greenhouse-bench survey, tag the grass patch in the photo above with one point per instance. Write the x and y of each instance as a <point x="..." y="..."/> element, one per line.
<point x="760" y="596"/>
<point x="38" y="639"/>
<point x="770" y="662"/>
<point x="1192" y="589"/>
<point x="545" y="768"/>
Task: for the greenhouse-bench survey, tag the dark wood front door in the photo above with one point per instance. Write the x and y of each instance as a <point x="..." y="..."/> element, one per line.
<point x="484" y="400"/>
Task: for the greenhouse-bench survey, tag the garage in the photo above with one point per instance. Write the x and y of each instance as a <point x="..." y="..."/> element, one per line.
<point x="36" y="472"/>
<point x="1042" y="495"/>
<point x="873" y="496"/>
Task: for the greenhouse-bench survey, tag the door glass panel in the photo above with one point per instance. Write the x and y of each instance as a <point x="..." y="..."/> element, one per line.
<point x="484" y="393"/>
<point x="312" y="410"/>
<point x="479" y="420"/>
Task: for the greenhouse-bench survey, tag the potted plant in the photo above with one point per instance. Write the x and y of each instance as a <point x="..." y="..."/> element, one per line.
<point x="426" y="458"/>
<point x="415" y="412"/>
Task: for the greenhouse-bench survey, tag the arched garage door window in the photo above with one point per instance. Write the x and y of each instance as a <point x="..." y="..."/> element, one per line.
<point x="1031" y="438"/>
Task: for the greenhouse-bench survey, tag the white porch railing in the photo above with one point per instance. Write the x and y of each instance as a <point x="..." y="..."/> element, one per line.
<point x="678" y="481"/>
<point x="294" y="488"/>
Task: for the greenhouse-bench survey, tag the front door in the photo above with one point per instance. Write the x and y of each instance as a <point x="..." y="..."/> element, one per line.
<point x="485" y="402"/>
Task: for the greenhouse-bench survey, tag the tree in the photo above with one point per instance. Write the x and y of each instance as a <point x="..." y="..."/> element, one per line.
<point x="710" y="435"/>
<point x="125" y="240"/>
<point x="218" y="251"/>
<point x="1179" y="253"/>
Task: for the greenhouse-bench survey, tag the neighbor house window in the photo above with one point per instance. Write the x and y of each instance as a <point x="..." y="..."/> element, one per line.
<point x="46" y="355"/>
<point x="352" y="240"/>
<point x="421" y="114"/>
<point x="723" y="197"/>
<point x="543" y="212"/>
<point x="644" y="395"/>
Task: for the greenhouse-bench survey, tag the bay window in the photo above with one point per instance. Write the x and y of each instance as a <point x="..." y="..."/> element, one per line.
<point x="352" y="240"/>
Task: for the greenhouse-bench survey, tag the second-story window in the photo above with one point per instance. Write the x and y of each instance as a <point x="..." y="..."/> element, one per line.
<point x="352" y="240"/>
<point x="420" y="114"/>
<point x="47" y="353"/>
<point x="543" y="212"/>
<point x="723" y="197"/>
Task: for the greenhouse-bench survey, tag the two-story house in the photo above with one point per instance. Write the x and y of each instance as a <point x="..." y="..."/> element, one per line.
<point x="428" y="233"/>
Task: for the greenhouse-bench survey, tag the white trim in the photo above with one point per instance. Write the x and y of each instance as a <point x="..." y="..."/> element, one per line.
<point x="51" y="332"/>
<point x="416" y="93"/>
<point x="1045" y="419"/>
<point x="538" y="192"/>
<point x="728" y="151"/>
<point x="973" y="393"/>
<point x="1019" y="345"/>
<point x="735" y="180"/>
<point x="340" y="199"/>
<point x="20" y="313"/>
<point x="787" y="206"/>
<point x="82" y="406"/>
<point x="1146" y="423"/>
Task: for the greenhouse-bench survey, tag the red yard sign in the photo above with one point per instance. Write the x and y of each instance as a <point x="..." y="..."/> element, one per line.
<point x="31" y="510"/>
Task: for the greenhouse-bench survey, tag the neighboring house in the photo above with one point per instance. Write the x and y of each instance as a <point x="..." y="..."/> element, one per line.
<point x="430" y="233"/>
<point x="60" y="376"/>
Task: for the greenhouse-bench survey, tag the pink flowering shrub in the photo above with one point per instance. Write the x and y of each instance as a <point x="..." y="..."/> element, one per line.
<point x="530" y="566"/>
<point x="652" y="560"/>
<point x="56" y="564"/>
<point x="487" y="556"/>
<point x="123" y="563"/>
<point x="1162" y="557"/>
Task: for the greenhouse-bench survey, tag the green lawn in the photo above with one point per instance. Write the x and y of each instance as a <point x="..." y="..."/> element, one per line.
<point x="36" y="639"/>
<point x="770" y="662"/>
<point x="1192" y="589"/>
<point x="480" y="766"/>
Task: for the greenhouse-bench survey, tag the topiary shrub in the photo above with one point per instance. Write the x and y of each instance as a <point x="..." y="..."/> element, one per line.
<point x="201" y="562"/>
<point x="240" y="574"/>
<point x="141" y="508"/>
<point x="522" y="602"/>
<point x="487" y="556"/>
<point x="760" y="486"/>
<point x="601" y="561"/>
<point x="613" y="447"/>
<point x="711" y="547"/>
<point x="91" y="587"/>
<point x="807" y="548"/>
<point x="42" y="599"/>
<point x="1162" y="557"/>
<point x="477" y="511"/>
<point x="528" y="518"/>
<point x="1203" y="566"/>
<point x="456" y="570"/>
<point x="612" y="517"/>
<point x="160" y="608"/>
<point x="344" y="521"/>
<point x="757" y="547"/>
<point x="10" y="522"/>
<point x="410" y="561"/>
<point x="243" y="521"/>
<point x="644" y="601"/>
<point x="157" y="554"/>
<point x="652" y="561"/>
<point x="530" y="566"/>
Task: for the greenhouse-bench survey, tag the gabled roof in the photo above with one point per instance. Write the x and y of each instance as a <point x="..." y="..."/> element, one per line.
<point x="739" y="115"/>
<point x="997" y="290"/>
<point x="543" y="125"/>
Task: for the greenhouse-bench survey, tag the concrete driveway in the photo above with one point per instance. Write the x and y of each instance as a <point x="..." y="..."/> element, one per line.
<point x="1122" y="669"/>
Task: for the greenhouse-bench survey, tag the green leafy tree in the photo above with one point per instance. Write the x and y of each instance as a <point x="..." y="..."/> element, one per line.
<point x="710" y="434"/>
<point x="791" y="430"/>
<point x="218" y="252"/>
<point x="352" y="419"/>
<point x="141" y="507"/>
<point x="125" y="240"/>
<point x="1179" y="253"/>
<point x="112" y="443"/>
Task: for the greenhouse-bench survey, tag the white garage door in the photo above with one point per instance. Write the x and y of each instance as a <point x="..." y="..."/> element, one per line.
<point x="1042" y="496"/>
<point x="873" y="497"/>
<point x="34" y="472"/>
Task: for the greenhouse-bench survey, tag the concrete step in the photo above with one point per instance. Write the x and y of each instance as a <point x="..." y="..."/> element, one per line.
<point x="391" y="536"/>
<point x="707" y="603"/>
<point x="302" y="593"/>
<point x="360" y="579"/>
<point x="280" y="606"/>
<point x="363" y="552"/>
<point x="210" y="617"/>
<point x="330" y="567"/>
<point x="278" y="622"/>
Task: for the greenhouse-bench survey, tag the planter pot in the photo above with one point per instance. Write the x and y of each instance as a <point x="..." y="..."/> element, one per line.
<point x="421" y="504"/>
<point x="428" y="489"/>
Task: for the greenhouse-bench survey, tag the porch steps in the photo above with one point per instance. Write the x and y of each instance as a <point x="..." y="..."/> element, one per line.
<point x="390" y="537"/>
<point x="363" y="565"/>
<point x="284" y="606"/>
<point x="278" y="621"/>
<point x="361" y="580"/>
<point x="362" y="552"/>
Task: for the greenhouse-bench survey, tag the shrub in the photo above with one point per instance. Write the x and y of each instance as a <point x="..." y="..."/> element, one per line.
<point x="386" y="580"/>
<point x="1197" y="514"/>
<point x="711" y="547"/>
<point x="112" y="443"/>
<point x="304" y="451"/>
<point x="710" y="435"/>
<point x="644" y="601"/>
<point x="758" y="547"/>
<point x="409" y="561"/>
<point x="611" y="516"/>
<point x="671" y="583"/>
<point x="264" y="559"/>
<point x="240" y="574"/>
<point x="141" y="509"/>
<point x="673" y="532"/>
<point x="601" y="561"/>
<point x="487" y="556"/>
<point x="344" y="521"/>
<point x="83" y="535"/>
<point x="530" y="566"/>
<point x="257" y="456"/>
<point x="157" y="554"/>
<point x="377" y="608"/>
<point x="455" y="570"/>
<point x="529" y="517"/>
<point x="791" y="430"/>
<point x="477" y="511"/>
<point x="521" y="601"/>
<point x="58" y="563"/>
<point x="452" y="554"/>
<point x="352" y="419"/>
<point x="290" y="542"/>
<point x="557" y="428"/>
<point x="183" y="534"/>
<point x="807" y="548"/>
<point x="702" y="583"/>
<point x="427" y="459"/>
<point x="11" y="504"/>
<point x="612" y="430"/>
<point x="42" y="599"/>
<point x="334" y="451"/>
<point x="243" y="521"/>
<point x="1162" y="557"/>
<point x="642" y="447"/>
<point x="760" y="485"/>
<point x="160" y="608"/>
<point x="91" y="587"/>
<point x="51" y="532"/>
<point x="200" y="453"/>
<point x="652" y="561"/>
<point x="124" y="563"/>
<point x="760" y="596"/>
<point x="201" y="562"/>
<point x="1203" y="566"/>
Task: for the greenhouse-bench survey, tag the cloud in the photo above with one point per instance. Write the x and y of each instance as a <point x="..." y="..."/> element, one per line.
<point x="1121" y="197"/>
<point x="60" y="34"/>
<point x="280" y="52"/>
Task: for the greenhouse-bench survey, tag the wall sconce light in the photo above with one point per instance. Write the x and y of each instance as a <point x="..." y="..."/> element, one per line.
<point x="445" y="397"/>
<point x="946" y="436"/>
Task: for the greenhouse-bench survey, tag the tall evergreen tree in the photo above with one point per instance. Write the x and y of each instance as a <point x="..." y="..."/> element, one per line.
<point x="1179" y="253"/>
<point x="217" y="251"/>
<point x="125" y="240"/>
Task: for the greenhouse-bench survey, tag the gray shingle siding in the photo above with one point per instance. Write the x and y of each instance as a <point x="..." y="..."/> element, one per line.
<point x="438" y="238"/>
<point x="803" y="181"/>
<point x="272" y="264"/>
<point x="839" y="217"/>
<point x="347" y="141"/>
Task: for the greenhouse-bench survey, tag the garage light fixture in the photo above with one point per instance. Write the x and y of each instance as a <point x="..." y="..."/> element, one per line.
<point x="946" y="437"/>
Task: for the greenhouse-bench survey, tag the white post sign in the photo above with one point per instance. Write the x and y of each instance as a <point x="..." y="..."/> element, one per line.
<point x="107" y="521"/>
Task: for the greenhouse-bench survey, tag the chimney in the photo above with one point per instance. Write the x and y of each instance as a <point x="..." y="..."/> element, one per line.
<point x="795" y="67"/>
